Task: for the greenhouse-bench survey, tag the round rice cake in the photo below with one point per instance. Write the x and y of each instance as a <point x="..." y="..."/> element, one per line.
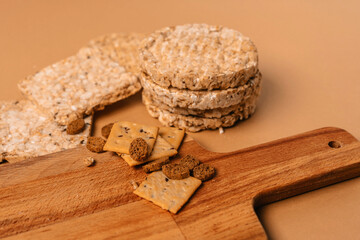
<point x="202" y="100"/>
<point x="195" y="124"/>
<point x="208" y="113"/>
<point x="198" y="56"/>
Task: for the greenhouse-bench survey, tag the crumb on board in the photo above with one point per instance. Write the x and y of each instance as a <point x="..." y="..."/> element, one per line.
<point x="221" y="130"/>
<point x="134" y="184"/>
<point x="89" y="161"/>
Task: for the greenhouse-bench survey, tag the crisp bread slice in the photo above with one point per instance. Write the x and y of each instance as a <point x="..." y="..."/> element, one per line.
<point x="167" y="193"/>
<point x="123" y="133"/>
<point x="27" y="132"/>
<point x="80" y="84"/>
<point x="172" y="135"/>
<point x="161" y="149"/>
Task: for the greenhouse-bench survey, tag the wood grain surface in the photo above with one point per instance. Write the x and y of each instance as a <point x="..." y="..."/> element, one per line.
<point x="57" y="197"/>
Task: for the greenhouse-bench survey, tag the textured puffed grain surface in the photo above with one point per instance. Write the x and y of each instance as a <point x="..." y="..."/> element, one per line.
<point x="27" y="132"/>
<point x="80" y="84"/>
<point x="208" y="113"/>
<point x="201" y="99"/>
<point x="198" y="56"/>
<point x="167" y="193"/>
<point x="123" y="48"/>
<point x="195" y="124"/>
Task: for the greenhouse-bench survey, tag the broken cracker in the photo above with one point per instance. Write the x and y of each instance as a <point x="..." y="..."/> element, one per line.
<point x="155" y="165"/>
<point x="172" y="135"/>
<point x="161" y="149"/>
<point x="168" y="194"/>
<point x="27" y="132"/>
<point x="123" y="133"/>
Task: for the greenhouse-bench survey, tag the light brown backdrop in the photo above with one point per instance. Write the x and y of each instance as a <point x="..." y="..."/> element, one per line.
<point x="308" y="56"/>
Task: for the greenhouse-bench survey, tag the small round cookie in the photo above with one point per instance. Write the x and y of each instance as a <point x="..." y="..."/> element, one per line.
<point x="147" y="99"/>
<point x="138" y="149"/>
<point x="189" y="161"/>
<point x="201" y="100"/>
<point x="195" y="124"/>
<point x="105" y="130"/>
<point x="204" y="172"/>
<point x="95" y="144"/>
<point x="75" y="126"/>
<point x="176" y="171"/>
<point x="198" y="56"/>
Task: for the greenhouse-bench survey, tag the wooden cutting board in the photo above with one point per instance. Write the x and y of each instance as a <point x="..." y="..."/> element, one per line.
<point x="57" y="197"/>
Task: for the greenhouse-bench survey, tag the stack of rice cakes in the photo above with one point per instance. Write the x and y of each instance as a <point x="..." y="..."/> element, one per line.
<point x="199" y="77"/>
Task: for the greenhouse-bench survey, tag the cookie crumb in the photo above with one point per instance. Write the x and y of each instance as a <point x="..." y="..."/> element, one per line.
<point x="204" y="172"/>
<point x="95" y="144"/>
<point x="89" y="161"/>
<point x="105" y="130"/>
<point x="221" y="130"/>
<point x="75" y="127"/>
<point x="138" y="149"/>
<point x="176" y="171"/>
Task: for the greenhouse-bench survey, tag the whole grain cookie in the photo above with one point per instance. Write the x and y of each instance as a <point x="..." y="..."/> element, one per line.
<point x="202" y="100"/>
<point x="176" y="171"/>
<point x="155" y="165"/>
<point x="75" y="127"/>
<point x="147" y="99"/>
<point x="204" y="172"/>
<point x="189" y="161"/>
<point x="105" y="130"/>
<point x="95" y="144"/>
<point x="138" y="149"/>
<point x="198" y="56"/>
<point x="195" y="124"/>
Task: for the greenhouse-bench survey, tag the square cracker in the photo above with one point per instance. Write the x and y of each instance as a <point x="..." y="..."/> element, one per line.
<point x="80" y="84"/>
<point x="167" y="193"/>
<point x="172" y="135"/>
<point x="27" y="132"/>
<point x="123" y="133"/>
<point x="161" y="149"/>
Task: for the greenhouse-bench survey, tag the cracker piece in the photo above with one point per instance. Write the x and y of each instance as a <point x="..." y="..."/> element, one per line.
<point x="27" y="132"/>
<point x="167" y="193"/>
<point x="123" y="133"/>
<point x="198" y="56"/>
<point x="202" y="100"/>
<point x="138" y="149"/>
<point x="89" y="161"/>
<point x="155" y="165"/>
<point x="161" y="149"/>
<point x="80" y="84"/>
<point x="172" y="135"/>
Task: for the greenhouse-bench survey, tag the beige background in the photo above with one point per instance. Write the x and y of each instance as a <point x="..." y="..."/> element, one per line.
<point x="308" y="56"/>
